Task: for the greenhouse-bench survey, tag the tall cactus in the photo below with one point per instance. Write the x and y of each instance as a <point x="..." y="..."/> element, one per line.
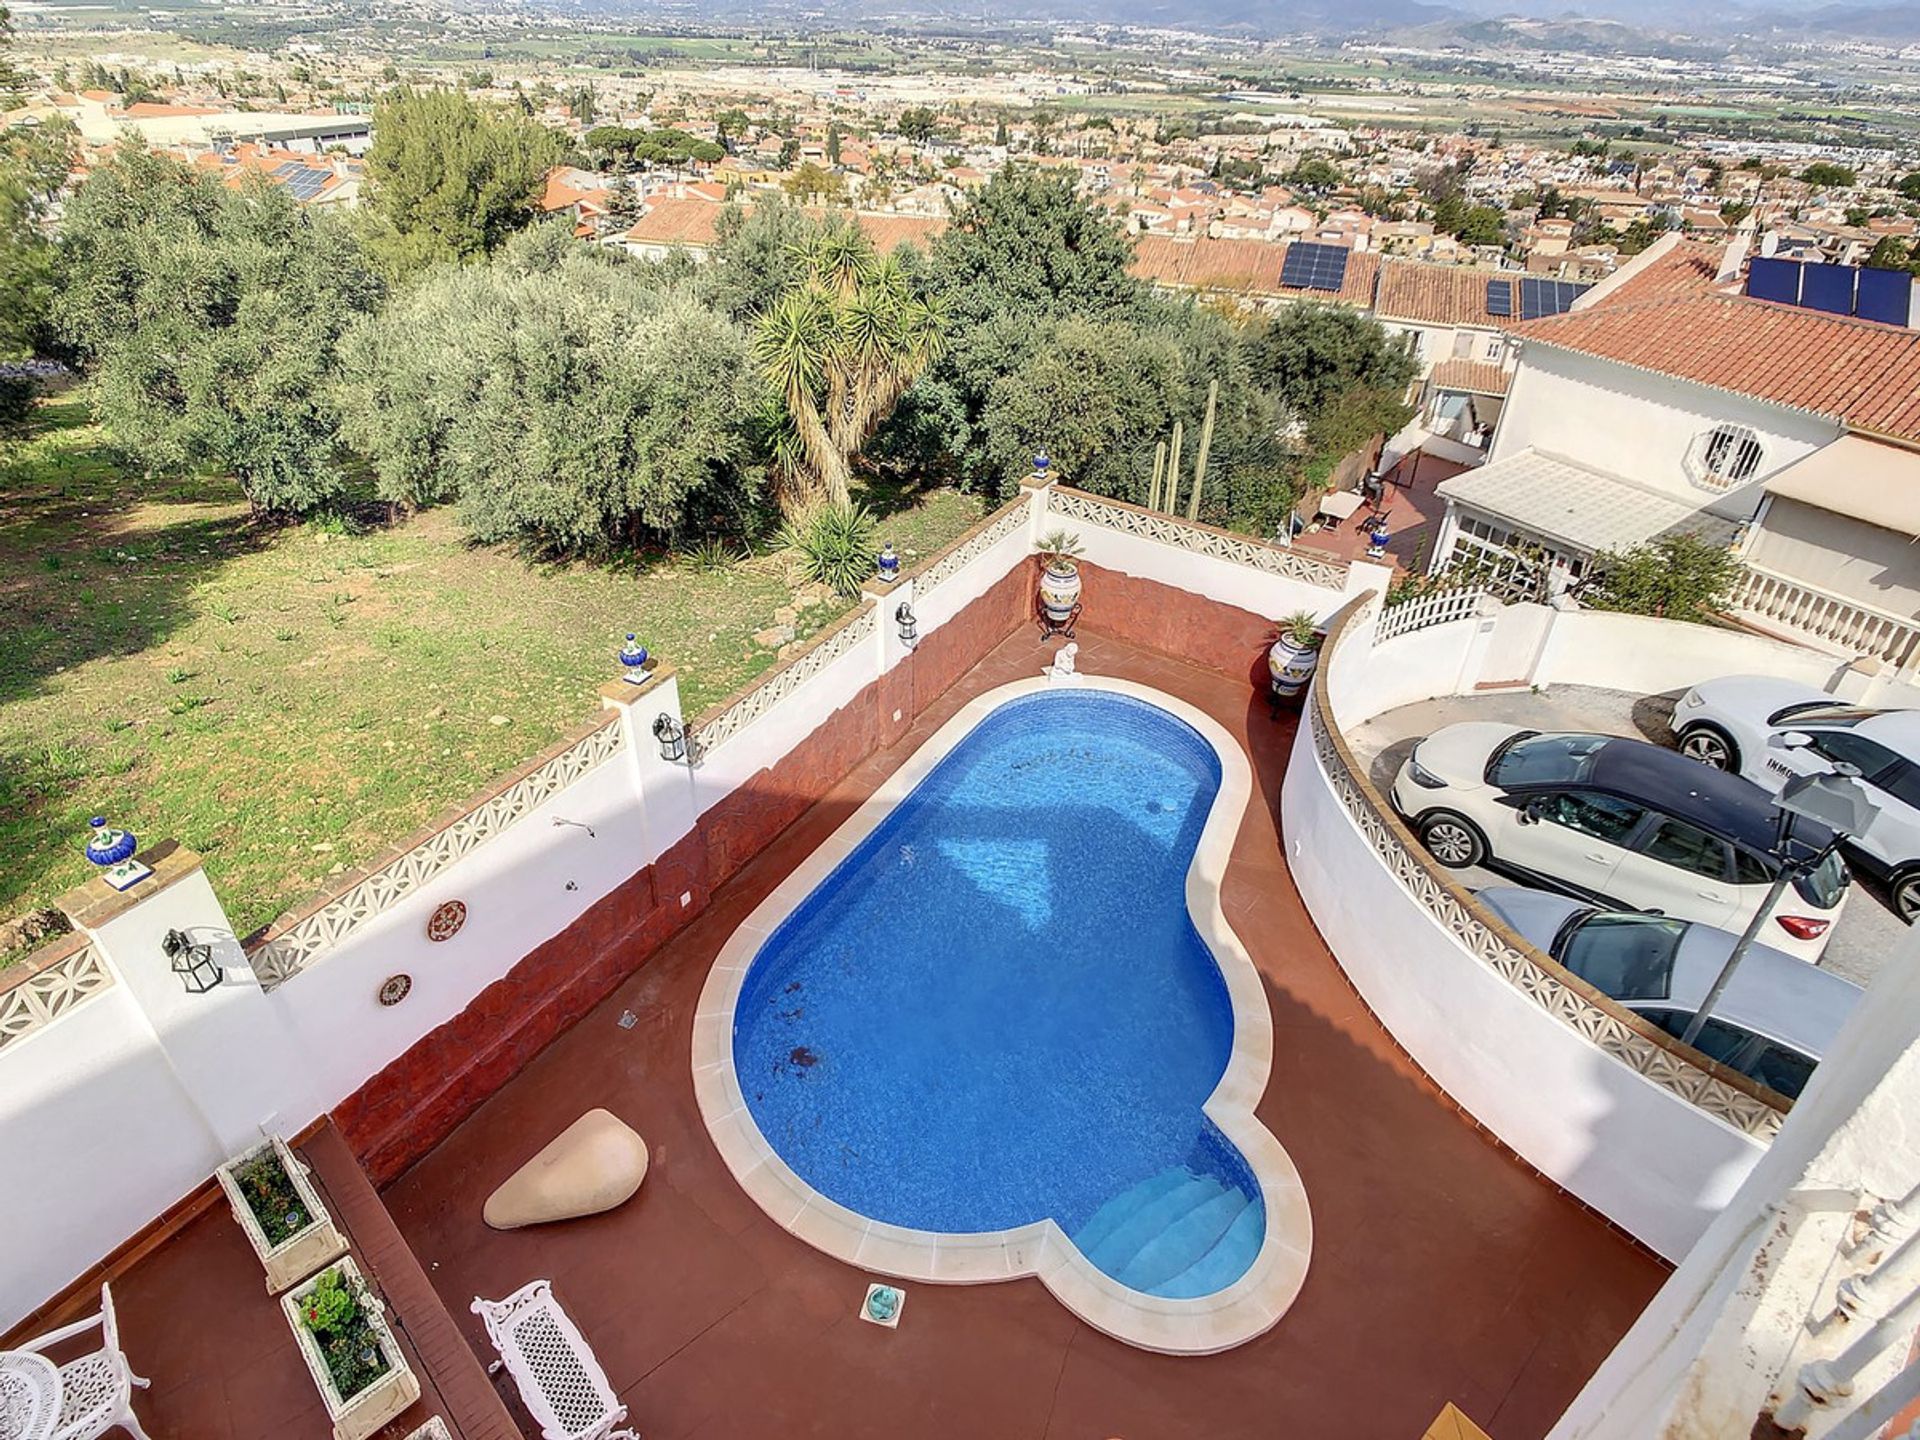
<point x="1206" y="444"/>
<point x="1173" y="470"/>
<point x="1159" y="470"/>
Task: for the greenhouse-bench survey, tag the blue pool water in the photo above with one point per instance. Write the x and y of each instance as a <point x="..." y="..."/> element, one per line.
<point x="997" y="1009"/>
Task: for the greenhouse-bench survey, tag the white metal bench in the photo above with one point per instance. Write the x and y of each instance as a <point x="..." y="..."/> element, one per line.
<point x="561" y="1384"/>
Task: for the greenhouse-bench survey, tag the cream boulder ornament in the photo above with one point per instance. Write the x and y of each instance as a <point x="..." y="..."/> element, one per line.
<point x="593" y="1165"/>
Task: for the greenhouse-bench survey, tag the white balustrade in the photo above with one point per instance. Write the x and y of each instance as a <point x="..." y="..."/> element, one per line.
<point x="1830" y="619"/>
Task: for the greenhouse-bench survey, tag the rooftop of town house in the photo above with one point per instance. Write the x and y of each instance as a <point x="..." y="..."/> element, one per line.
<point x="1670" y="317"/>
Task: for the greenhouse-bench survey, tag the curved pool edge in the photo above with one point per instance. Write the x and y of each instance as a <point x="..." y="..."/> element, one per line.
<point x="1205" y="1325"/>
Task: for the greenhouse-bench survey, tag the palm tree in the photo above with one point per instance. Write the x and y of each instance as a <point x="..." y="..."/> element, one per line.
<point x="841" y="349"/>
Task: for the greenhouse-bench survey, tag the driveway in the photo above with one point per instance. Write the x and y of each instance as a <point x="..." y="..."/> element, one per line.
<point x="1868" y="928"/>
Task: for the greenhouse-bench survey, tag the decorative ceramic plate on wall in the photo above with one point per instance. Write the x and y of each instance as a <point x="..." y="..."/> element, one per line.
<point x="445" y="922"/>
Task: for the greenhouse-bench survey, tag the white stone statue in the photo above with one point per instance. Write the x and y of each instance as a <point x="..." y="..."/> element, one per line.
<point x="1062" y="666"/>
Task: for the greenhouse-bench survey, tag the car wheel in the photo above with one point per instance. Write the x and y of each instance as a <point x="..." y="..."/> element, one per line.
<point x="1710" y="747"/>
<point x="1455" y="842"/>
<point x="1906" y="894"/>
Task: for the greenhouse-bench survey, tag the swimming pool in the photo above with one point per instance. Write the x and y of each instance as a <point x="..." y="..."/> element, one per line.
<point x="997" y="1025"/>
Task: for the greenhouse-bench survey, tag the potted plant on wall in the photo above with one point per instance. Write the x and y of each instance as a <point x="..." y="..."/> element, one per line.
<point x="1059" y="581"/>
<point x="1295" y="653"/>
<point x="350" y="1352"/>
<point x="277" y="1209"/>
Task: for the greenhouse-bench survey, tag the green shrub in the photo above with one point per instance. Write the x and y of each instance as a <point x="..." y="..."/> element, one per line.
<point x="835" y="544"/>
<point x="1676" y="577"/>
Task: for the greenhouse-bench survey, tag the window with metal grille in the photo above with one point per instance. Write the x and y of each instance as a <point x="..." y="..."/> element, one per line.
<point x="1725" y="456"/>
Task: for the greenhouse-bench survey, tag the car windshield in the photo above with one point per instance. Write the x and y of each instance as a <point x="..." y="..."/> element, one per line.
<point x="1629" y="957"/>
<point x="1825" y="712"/>
<point x="1530" y="759"/>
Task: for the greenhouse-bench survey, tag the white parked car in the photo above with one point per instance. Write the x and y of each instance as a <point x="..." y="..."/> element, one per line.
<point x="1774" y="1022"/>
<point x="1727" y="724"/>
<point x="1620" y="822"/>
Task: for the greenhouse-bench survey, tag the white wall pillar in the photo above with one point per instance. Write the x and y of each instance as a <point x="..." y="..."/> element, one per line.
<point x="664" y="787"/>
<point x="888" y="596"/>
<point x="235" y="1058"/>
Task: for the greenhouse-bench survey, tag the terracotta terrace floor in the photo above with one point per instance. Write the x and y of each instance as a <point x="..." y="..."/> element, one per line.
<point x="1413" y="515"/>
<point x="1442" y="1269"/>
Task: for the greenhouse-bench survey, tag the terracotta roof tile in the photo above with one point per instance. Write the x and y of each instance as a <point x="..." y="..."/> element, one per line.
<point x="1474" y="376"/>
<point x="1246" y="266"/>
<point x="1863" y="374"/>
<point x="693" y="222"/>
<point x="1422" y="293"/>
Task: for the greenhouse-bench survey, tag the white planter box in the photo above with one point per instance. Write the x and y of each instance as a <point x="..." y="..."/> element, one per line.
<point x="359" y="1416"/>
<point x="304" y="1251"/>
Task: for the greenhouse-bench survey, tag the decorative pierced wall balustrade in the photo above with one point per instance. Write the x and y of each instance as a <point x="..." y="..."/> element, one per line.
<point x="1010" y="518"/>
<point x="1200" y="539"/>
<point x="49" y="992"/>
<point x="287" y="953"/>
<point x="733" y="716"/>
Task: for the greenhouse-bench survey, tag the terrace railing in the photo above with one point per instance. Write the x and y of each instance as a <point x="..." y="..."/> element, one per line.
<point x="741" y="709"/>
<point x="1435" y="608"/>
<point x="1847" y="625"/>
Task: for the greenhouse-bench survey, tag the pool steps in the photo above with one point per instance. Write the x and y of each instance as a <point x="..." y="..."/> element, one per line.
<point x="1175" y="1234"/>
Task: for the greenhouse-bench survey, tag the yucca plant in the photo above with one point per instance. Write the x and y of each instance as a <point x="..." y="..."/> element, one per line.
<point x="1060" y="548"/>
<point x="835" y="543"/>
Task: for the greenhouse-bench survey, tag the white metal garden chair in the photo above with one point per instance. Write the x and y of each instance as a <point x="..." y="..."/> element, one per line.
<point x="561" y="1384"/>
<point x="96" y="1391"/>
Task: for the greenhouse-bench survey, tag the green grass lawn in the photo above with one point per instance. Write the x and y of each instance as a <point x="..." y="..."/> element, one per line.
<point x="290" y="701"/>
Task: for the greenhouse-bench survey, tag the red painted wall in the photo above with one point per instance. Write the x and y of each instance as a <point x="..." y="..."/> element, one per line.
<point x="1176" y="622"/>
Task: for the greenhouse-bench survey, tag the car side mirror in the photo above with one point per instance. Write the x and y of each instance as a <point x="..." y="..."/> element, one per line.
<point x="1531" y="812"/>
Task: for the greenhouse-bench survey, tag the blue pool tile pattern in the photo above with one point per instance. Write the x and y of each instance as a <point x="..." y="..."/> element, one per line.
<point x="997" y="1009"/>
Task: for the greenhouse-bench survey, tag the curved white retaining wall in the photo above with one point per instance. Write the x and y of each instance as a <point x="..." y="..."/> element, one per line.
<point x="1640" y="1155"/>
<point x="1657" y="1145"/>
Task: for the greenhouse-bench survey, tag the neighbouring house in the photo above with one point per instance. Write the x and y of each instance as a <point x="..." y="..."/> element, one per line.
<point x="1668" y="399"/>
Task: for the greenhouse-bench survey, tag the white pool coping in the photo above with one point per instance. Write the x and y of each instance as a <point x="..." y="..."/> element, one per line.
<point x="1211" y="1323"/>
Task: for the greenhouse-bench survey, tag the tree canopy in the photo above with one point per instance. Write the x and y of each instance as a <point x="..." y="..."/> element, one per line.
<point x="559" y="396"/>
<point x="211" y="318"/>
<point x="1310" y="355"/>
<point x="1828" y="176"/>
<point x="452" y="178"/>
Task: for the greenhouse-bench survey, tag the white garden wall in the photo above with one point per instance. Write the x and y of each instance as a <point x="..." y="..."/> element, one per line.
<point x="1649" y="1161"/>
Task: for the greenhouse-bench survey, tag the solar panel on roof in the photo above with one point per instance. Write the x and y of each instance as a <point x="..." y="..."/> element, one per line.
<point x="1548" y="297"/>
<point x="1499" y="297"/>
<point x="1314" y="267"/>
<point x="288" y="167"/>
<point x="1771" y="279"/>
<point x="1828" y="288"/>
<point x="1884" y="295"/>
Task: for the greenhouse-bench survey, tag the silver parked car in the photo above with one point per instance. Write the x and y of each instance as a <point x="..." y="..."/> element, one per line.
<point x="1728" y="724"/>
<point x="1775" y="1021"/>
